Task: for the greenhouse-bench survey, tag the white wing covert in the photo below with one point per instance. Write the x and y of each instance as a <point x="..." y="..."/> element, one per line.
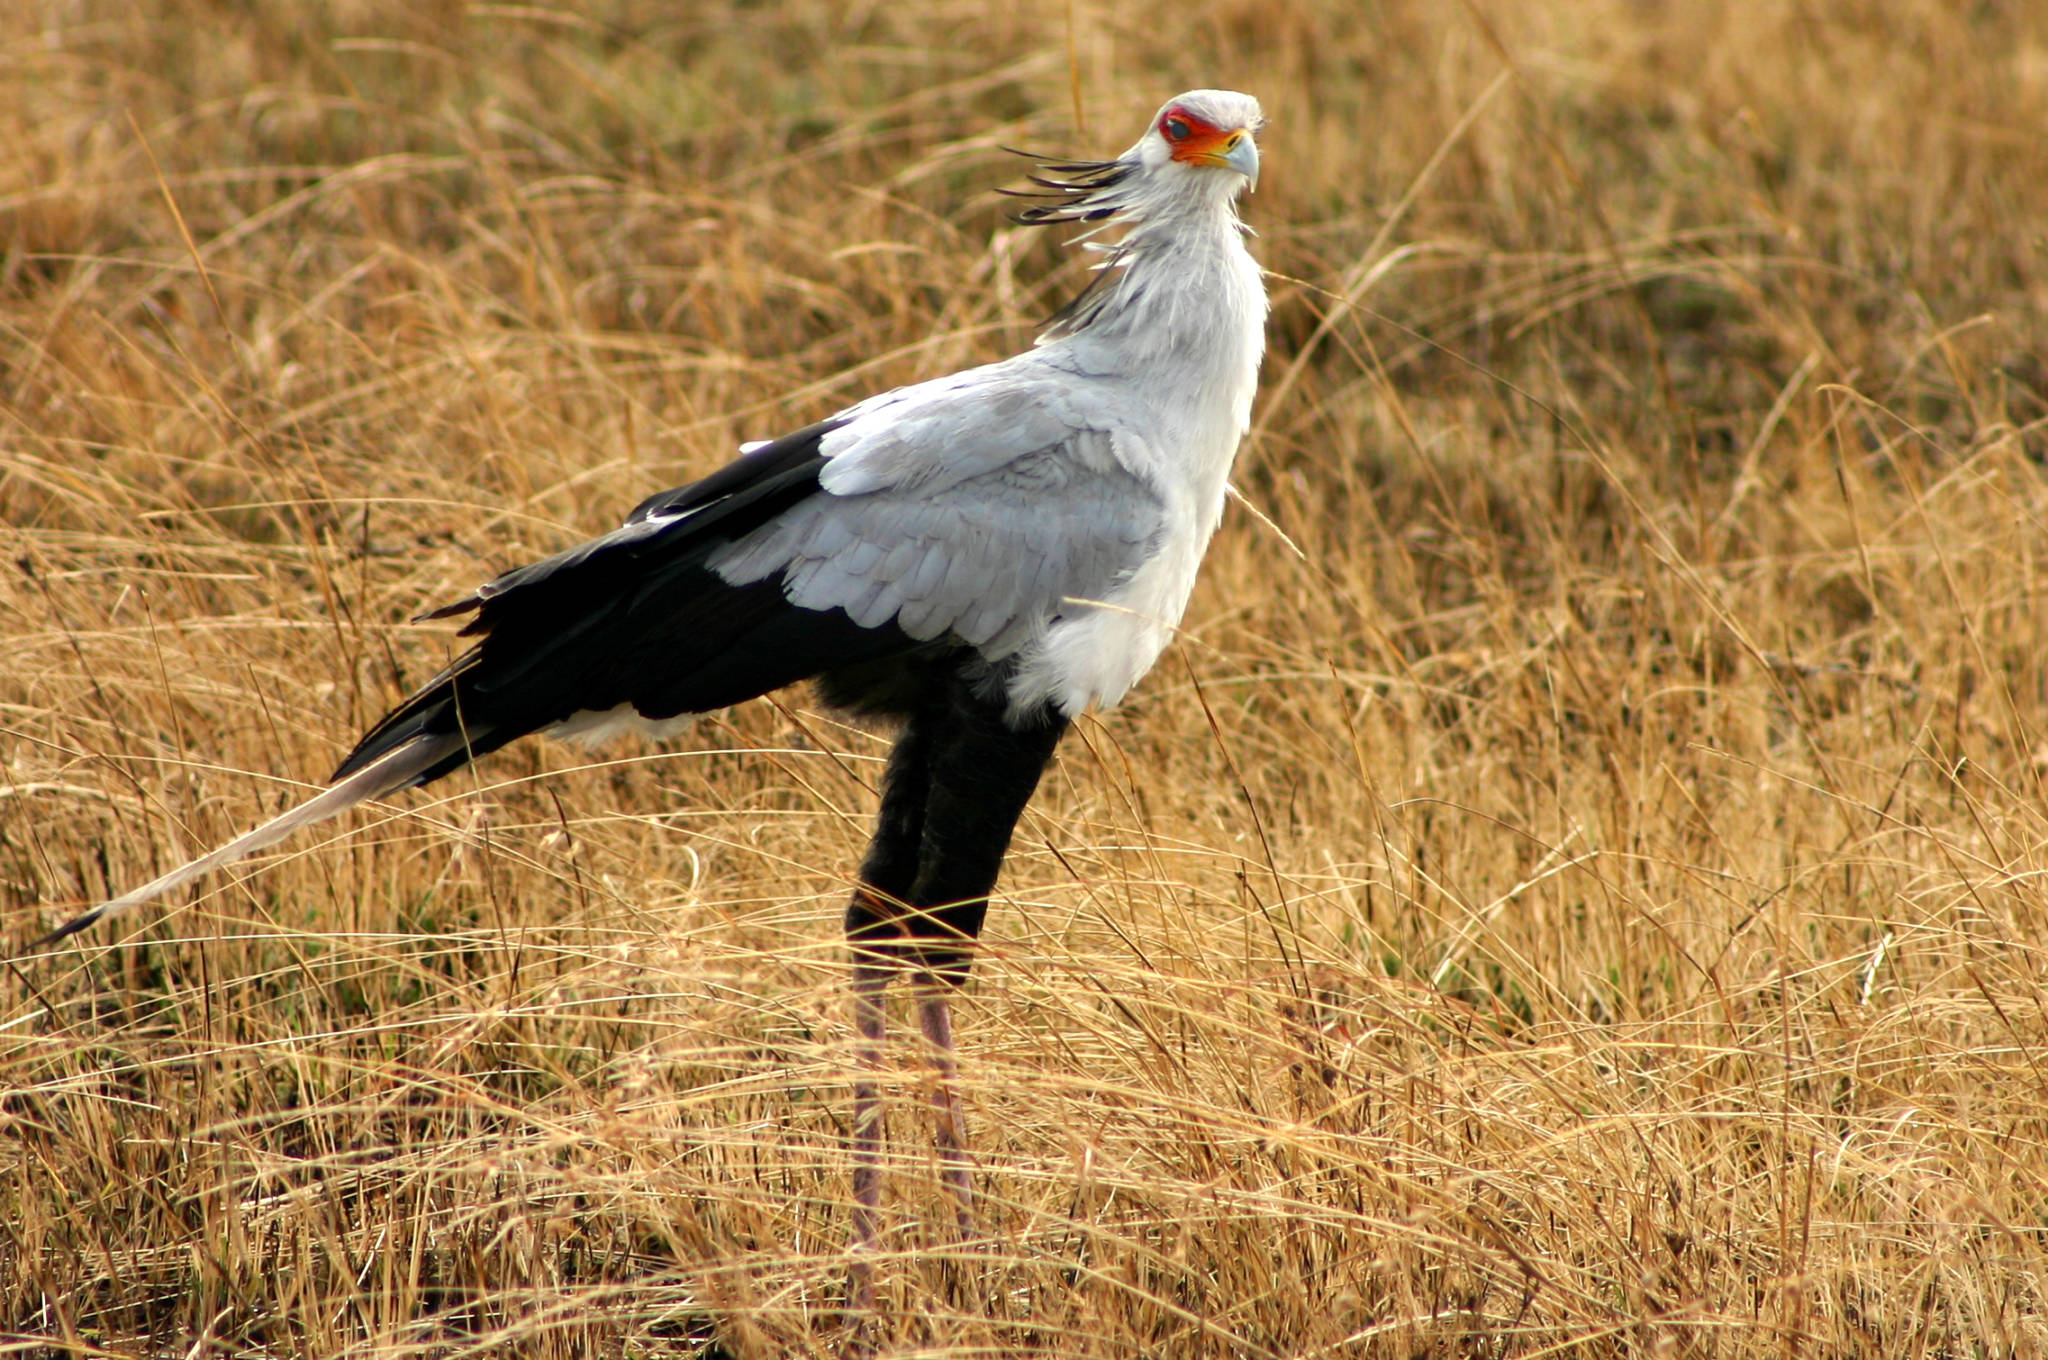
<point x="928" y="436"/>
<point x="951" y="512"/>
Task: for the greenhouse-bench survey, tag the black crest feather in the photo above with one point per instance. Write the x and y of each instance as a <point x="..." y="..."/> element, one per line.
<point x="1068" y="189"/>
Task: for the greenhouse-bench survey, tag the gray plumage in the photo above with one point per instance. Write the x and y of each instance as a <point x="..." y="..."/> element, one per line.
<point x="1050" y="510"/>
<point x="990" y="548"/>
<point x="1031" y="528"/>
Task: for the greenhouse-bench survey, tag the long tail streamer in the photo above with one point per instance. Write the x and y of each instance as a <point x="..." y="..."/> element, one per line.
<point x="389" y="774"/>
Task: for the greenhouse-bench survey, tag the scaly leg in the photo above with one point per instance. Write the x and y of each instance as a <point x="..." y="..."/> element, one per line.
<point x="870" y="982"/>
<point x="935" y="1018"/>
<point x="873" y="916"/>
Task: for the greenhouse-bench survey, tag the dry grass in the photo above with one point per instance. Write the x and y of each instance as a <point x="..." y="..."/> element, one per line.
<point x="1590" y="900"/>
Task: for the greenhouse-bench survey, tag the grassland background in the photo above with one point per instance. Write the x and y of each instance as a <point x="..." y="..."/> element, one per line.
<point x="1577" y="887"/>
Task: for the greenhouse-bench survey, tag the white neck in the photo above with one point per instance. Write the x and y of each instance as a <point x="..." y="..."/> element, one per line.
<point x="1180" y="313"/>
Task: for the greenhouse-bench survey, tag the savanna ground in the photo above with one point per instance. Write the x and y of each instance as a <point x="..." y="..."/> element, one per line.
<point x="1576" y="887"/>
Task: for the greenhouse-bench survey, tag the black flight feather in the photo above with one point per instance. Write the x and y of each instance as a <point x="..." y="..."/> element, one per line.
<point x="635" y="617"/>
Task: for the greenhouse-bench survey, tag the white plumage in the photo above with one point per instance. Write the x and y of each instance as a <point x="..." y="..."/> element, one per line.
<point x="980" y="557"/>
<point x="1054" y="506"/>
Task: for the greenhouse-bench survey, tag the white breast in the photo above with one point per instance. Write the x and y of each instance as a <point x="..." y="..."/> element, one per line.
<point x="1096" y="652"/>
<point x="1189" y="352"/>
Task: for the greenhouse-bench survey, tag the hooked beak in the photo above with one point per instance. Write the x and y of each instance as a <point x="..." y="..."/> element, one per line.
<point x="1233" y="150"/>
<point x="1242" y="155"/>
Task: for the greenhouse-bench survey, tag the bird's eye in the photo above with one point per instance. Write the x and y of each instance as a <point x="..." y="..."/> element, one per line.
<point x="1176" y="129"/>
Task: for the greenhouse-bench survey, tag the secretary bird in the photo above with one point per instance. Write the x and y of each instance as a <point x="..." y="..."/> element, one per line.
<point x="980" y="558"/>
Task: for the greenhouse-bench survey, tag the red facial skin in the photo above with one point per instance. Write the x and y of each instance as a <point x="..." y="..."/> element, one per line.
<point x="1196" y="141"/>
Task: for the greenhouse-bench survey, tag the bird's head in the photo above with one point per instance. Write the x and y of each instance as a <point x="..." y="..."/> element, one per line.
<point x="1200" y="147"/>
<point x="1203" y="132"/>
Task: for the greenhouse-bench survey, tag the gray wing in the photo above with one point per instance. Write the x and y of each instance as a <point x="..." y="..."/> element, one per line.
<point x="991" y="557"/>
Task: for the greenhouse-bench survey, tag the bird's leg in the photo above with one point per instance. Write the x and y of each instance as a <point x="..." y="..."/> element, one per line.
<point x="870" y="983"/>
<point x="984" y="769"/>
<point x="873" y="917"/>
<point x="958" y="779"/>
<point x="935" y="1018"/>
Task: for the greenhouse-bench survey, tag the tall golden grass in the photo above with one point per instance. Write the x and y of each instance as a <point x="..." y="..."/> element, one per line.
<point x="1576" y="887"/>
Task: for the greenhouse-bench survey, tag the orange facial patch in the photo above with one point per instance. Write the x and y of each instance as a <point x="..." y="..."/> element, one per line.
<point x="1196" y="141"/>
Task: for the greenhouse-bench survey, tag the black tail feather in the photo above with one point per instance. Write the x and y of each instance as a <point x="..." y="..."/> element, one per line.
<point x="634" y="618"/>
